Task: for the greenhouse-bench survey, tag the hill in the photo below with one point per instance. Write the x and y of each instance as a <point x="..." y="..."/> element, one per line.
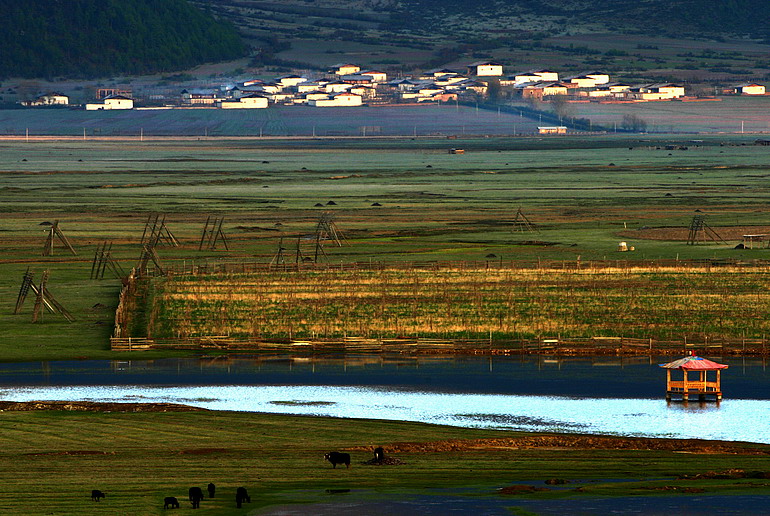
<point x="88" y="38"/>
<point x="636" y="40"/>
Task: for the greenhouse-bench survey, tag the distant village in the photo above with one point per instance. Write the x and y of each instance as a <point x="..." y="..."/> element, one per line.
<point x="348" y="85"/>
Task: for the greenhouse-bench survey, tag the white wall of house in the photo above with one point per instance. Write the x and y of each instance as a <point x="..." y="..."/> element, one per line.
<point x="341" y="100"/>
<point x="111" y="103"/>
<point x="487" y="69"/>
<point x="347" y="69"/>
<point x="252" y="102"/>
<point x="750" y="89"/>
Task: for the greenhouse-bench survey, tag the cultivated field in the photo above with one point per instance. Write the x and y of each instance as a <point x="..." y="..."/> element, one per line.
<point x="501" y="304"/>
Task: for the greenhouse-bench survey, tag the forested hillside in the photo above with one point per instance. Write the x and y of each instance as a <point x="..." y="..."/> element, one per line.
<point x="88" y="38"/>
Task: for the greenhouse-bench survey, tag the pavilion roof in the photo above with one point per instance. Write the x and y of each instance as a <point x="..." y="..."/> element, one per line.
<point x="694" y="362"/>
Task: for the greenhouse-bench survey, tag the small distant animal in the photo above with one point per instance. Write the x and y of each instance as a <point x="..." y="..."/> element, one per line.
<point x="211" y="489"/>
<point x="96" y="495"/>
<point x="338" y="458"/>
<point x="170" y="502"/>
<point x="241" y="495"/>
<point x="379" y="454"/>
<point x="196" y="495"/>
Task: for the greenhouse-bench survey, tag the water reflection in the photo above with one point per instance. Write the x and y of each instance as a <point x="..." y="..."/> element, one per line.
<point x="627" y="377"/>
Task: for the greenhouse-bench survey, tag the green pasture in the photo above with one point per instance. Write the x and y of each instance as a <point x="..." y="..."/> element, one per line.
<point x="583" y="196"/>
<point x="51" y="460"/>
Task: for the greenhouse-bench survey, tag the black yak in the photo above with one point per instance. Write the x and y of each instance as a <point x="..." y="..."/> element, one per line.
<point x="241" y="495"/>
<point x="170" y="502"/>
<point x="338" y="458"/>
<point x="96" y="495"/>
<point x="211" y="489"/>
<point x="196" y="495"/>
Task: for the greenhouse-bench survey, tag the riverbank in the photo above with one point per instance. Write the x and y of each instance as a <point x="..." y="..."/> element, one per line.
<point x="56" y="457"/>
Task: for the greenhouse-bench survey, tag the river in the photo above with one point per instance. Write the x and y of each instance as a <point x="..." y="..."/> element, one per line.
<point x="602" y="395"/>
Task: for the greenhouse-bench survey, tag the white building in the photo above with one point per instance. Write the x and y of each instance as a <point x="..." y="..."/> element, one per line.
<point x="749" y="89"/>
<point x="345" y="69"/>
<point x="485" y="69"/>
<point x="112" y="102"/>
<point x="248" y="102"/>
<point x="50" y="99"/>
<point x="340" y="100"/>
<point x="287" y="81"/>
<point x="377" y="76"/>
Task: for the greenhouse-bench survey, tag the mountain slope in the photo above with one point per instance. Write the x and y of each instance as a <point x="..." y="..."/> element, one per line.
<point x="87" y="38"/>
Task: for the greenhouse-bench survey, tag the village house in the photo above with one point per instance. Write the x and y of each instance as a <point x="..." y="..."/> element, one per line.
<point x="345" y="99"/>
<point x="357" y="79"/>
<point x="541" y="89"/>
<point x="252" y="101"/>
<point x="345" y="69"/>
<point x="111" y="103"/>
<point x="535" y="76"/>
<point x="199" y="97"/>
<point x="665" y="91"/>
<point x="582" y="81"/>
<point x="305" y="87"/>
<point x="485" y="69"/>
<point x="751" y="88"/>
<point x="611" y="89"/>
<point x="377" y="76"/>
<point x="336" y="87"/>
<point x="50" y="99"/>
<point x="305" y="98"/>
<point x="288" y="81"/>
<point x="436" y="73"/>
<point x="366" y="92"/>
<point x="599" y="77"/>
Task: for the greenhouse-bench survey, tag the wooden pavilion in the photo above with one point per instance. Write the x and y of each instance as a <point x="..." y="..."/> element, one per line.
<point x="700" y="386"/>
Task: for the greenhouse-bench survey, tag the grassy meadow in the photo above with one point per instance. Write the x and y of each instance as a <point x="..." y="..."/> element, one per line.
<point x="51" y="460"/>
<point x="393" y="200"/>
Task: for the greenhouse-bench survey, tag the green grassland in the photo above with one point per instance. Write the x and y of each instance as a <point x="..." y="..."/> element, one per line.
<point x="583" y="195"/>
<point x="51" y="460"/>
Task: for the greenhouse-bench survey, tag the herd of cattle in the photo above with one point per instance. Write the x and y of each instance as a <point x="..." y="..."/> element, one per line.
<point x="195" y="494"/>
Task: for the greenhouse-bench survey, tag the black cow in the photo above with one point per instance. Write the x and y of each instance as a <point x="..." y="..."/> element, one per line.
<point x="241" y="495"/>
<point x="338" y="458"/>
<point x="379" y="454"/>
<point x="96" y="494"/>
<point x="196" y="495"/>
<point x="170" y="502"/>
<point x="212" y="489"/>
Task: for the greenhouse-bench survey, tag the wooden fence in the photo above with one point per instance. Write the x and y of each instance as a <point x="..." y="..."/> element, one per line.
<point x="205" y="267"/>
<point x="565" y="347"/>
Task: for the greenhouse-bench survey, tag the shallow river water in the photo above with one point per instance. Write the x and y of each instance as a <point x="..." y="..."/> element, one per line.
<point x="589" y="395"/>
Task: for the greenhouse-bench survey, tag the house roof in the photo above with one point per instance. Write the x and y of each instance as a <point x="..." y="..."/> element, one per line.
<point x="482" y="63"/>
<point x="117" y="97"/>
<point x="694" y="362"/>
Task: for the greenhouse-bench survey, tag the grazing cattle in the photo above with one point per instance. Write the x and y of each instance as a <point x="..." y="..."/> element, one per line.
<point x="338" y="458"/>
<point x="379" y="454"/>
<point x="96" y="495"/>
<point x="196" y="495"/>
<point x="170" y="502"/>
<point x="212" y="489"/>
<point x="241" y="495"/>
